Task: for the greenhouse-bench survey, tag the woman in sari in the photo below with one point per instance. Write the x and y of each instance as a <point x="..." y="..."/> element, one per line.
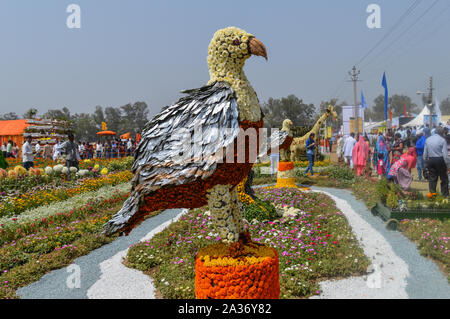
<point x="397" y="148"/>
<point x="360" y="155"/>
<point x="400" y="171"/>
<point x="380" y="147"/>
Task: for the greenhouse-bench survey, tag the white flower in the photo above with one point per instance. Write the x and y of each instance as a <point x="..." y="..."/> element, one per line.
<point x="48" y="170"/>
<point x="65" y="170"/>
<point x="58" y="168"/>
<point x="73" y="169"/>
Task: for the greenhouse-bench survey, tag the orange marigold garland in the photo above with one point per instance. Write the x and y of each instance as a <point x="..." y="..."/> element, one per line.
<point x="286" y="175"/>
<point x="252" y="275"/>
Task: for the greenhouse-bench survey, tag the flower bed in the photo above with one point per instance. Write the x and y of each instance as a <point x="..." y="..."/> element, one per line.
<point x="18" y="180"/>
<point x="431" y="237"/>
<point x="317" y="243"/>
<point x="14" y="205"/>
<point x="31" y="249"/>
<point x="30" y="220"/>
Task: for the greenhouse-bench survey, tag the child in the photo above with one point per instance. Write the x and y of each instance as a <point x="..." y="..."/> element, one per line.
<point x="380" y="166"/>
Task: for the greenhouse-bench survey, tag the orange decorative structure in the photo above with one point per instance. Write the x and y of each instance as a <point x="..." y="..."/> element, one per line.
<point x="254" y="275"/>
<point x="286" y="175"/>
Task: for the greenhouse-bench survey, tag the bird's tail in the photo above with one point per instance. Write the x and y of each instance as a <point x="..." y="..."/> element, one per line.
<point x="122" y="218"/>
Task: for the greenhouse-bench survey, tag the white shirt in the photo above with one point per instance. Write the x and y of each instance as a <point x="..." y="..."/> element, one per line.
<point x="99" y="148"/>
<point x="56" y="151"/>
<point x="27" y="152"/>
<point x="348" y="146"/>
<point x="129" y="145"/>
<point x="38" y="148"/>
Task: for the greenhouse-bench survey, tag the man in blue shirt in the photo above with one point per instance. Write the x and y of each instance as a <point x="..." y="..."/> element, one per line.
<point x="420" y="145"/>
<point x="310" y="152"/>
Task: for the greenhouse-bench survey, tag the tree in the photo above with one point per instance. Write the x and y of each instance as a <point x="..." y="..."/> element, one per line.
<point x="98" y="117"/>
<point x="397" y="103"/>
<point x="30" y="114"/>
<point x="63" y="114"/>
<point x="290" y="107"/>
<point x="445" y="106"/>
<point x="113" y="118"/>
<point x="84" y="127"/>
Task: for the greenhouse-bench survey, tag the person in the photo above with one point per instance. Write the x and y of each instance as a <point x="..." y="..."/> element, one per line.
<point x="427" y="131"/>
<point x="108" y="150"/>
<point x="360" y="154"/>
<point x="420" y="145"/>
<point x="81" y="149"/>
<point x="98" y="149"/>
<point x="4" y="150"/>
<point x="340" y="147"/>
<point x="381" y="148"/>
<point x="436" y="159"/>
<point x="380" y="166"/>
<point x="38" y="149"/>
<point x="310" y="152"/>
<point x="47" y="151"/>
<point x="130" y="146"/>
<point x="400" y="171"/>
<point x="70" y="148"/>
<point x="397" y="148"/>
<point x="27" y="154"/>
<point x="15" y="150"/>
<point x="348" y="148"/>
<point x="57" y="149"/>
<point x="9" y="148"/>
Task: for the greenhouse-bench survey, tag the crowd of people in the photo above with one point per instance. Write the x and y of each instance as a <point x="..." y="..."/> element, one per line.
<point x="395" y="153"/>
<point x="72" y="152"/>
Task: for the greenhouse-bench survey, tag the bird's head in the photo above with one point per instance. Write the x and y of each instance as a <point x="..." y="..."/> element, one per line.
<point x="228" y="50"/>
<point x="287" y="125"/>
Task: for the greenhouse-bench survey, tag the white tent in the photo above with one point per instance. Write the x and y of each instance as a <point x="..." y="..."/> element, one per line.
<point x="418" y="120"/>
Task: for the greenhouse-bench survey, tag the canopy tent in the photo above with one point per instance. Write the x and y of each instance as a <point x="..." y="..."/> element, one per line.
<point x="125" y="136"/>
<point x="419" y="119"/>
<point x="106" y="133"/>
<point x="13" y="130"/>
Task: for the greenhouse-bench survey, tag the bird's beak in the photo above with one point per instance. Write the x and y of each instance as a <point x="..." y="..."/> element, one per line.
<point x="257" y="48"/>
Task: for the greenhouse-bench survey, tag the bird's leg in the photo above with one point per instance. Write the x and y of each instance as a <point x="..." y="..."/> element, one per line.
<point x="223" y="205"/>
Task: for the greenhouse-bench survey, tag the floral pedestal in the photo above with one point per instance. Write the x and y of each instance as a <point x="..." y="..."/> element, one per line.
<point x="254" y="274"/>
<point x="286" y="175"/>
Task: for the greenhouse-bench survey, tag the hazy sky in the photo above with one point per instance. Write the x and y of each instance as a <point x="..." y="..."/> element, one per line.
<point x="143" y="50"/>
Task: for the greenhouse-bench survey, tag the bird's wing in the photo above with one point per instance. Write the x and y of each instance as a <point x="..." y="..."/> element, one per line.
<point x="274" y="141"/>
<point x="184" y="142"/>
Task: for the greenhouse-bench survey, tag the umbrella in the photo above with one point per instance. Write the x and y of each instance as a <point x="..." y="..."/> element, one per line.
<point x="106" y="133"/>
<point x="125" y="136"/>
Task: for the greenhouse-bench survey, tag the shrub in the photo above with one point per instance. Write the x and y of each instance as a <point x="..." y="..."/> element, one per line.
<point x="260" y="210"/>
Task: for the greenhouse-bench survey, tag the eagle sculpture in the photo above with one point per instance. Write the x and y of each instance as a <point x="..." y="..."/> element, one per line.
<point x="188" y="156"/>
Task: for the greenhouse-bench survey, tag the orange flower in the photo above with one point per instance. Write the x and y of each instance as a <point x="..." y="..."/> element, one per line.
<point x="255" y="275"/>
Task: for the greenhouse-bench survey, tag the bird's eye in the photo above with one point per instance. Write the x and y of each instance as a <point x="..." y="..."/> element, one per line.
<point x="236" y="42"/>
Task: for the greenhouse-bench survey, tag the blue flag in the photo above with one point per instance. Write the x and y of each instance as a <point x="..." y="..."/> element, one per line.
<point x="384" y="84"/>
<point x="363" y="101"/>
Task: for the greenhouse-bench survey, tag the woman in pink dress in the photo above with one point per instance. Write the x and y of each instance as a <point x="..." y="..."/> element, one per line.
<point x="400" y="171"/>
<point x="360" y="154"/>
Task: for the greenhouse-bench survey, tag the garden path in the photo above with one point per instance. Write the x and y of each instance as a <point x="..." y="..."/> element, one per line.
<point x="398" y="269"/>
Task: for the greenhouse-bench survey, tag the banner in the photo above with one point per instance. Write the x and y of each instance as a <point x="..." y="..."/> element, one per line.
<point x="384" y="84"/>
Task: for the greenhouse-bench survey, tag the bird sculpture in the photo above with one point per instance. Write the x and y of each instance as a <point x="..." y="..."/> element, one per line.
<point x="172" y="171"/>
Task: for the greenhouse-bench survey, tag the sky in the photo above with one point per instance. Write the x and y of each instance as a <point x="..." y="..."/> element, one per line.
<point x="143" y="50"/>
